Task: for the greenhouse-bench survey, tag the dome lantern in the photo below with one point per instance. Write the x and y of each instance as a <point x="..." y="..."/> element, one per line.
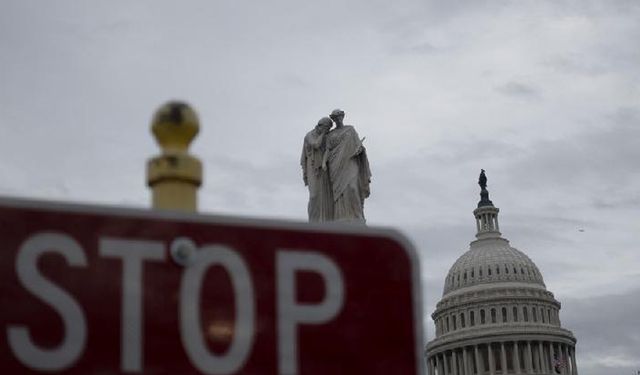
<point x="486" y="214"/>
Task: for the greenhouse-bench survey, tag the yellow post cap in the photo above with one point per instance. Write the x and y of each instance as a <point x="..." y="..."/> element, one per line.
<point x="174" y="126"/>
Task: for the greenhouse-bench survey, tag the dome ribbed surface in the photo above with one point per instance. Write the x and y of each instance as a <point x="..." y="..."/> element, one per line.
<point x="491" y="261"/>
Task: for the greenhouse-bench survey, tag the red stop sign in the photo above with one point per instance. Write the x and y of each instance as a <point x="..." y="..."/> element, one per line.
<point x="102" y="290"/>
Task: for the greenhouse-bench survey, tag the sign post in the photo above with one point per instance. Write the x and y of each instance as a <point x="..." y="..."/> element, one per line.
<point x="89" y="289"/>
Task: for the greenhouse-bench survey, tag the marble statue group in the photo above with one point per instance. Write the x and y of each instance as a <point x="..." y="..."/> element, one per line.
<point x="336" y="170"/>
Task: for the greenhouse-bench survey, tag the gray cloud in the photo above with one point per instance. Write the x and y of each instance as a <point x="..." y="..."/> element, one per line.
<point x="608" y="331"/>
<point x="577" y="64"/>
<point x="294" y="81"/>
<point x="602" y="159"/>
<point x="418" y="48"/>
<point x="609" y="202"/>
<point x="519" y="90"/>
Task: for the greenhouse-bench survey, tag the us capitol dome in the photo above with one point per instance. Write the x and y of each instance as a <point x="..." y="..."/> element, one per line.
<point x="496" y="315"/>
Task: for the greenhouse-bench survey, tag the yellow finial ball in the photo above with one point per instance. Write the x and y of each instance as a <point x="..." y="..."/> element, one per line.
<point x="174" y="126"/>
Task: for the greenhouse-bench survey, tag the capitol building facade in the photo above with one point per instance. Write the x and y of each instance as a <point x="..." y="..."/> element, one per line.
<point x="496" y="315"/>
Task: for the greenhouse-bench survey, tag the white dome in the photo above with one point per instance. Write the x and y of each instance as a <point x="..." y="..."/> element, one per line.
<point x="491" y="260"/>
<point x="496" y="316"/>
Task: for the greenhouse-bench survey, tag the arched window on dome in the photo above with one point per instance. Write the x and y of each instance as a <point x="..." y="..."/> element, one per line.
<point x="454" y="323"/>
<point x="515" y="270"/>
<point x="515" y="314"/>
<point x="462" y="321"/>
<point x="465" y="276"/>
<point x="448" y="324"/>
<point x="504" y="315"/>
<point x="522" y="270"/>
<point x="525" y="314"/>
<point x="480" y="271"/>
<point x="542" y="315"/>
<point x="497" y="270"/>
<point x="489" y="271"/>
<point x="472" y="273"/>
<point x="472" y="318"/>
<point x="534" y="314"/>
<point x="493" y="315"/>
<point x="549" y="316"/>
<point x="506" y="269"/>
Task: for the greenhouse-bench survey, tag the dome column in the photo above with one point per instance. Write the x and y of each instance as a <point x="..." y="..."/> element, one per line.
<point x="563" y="359"/>
<point x="574" y="366"/>
<point x="503" y="358"/>
<point x="535" y="365"/>
<point x="516" y="358"/>
<point x="465" y="361"/>
<point x="446" y="363"/>
<point x="543" y="368"/>
<point x="454" y="363"/>
<point x="552" y="354"/>
<point x="529" y="359"/>
<point x="479" y="362"/>
<point x="565" y="352"/>
<point x="492" y="365"/>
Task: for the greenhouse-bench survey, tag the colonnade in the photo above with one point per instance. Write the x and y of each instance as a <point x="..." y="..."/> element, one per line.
<point x="487" y="222"/>
<point x="510" y="357"/>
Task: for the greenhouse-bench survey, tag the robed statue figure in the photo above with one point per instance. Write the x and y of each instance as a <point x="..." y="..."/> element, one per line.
<point x="346" y="160"/>
<point x="320" y="207"/>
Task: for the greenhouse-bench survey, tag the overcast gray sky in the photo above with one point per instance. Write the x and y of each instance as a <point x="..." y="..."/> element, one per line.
<point x="544" y="95"/>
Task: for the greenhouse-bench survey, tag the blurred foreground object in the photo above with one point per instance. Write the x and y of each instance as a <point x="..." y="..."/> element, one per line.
<point x="174" y="176"/>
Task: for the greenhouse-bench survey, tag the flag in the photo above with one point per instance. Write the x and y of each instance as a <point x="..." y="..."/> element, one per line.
<point x="559" y="362"/>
